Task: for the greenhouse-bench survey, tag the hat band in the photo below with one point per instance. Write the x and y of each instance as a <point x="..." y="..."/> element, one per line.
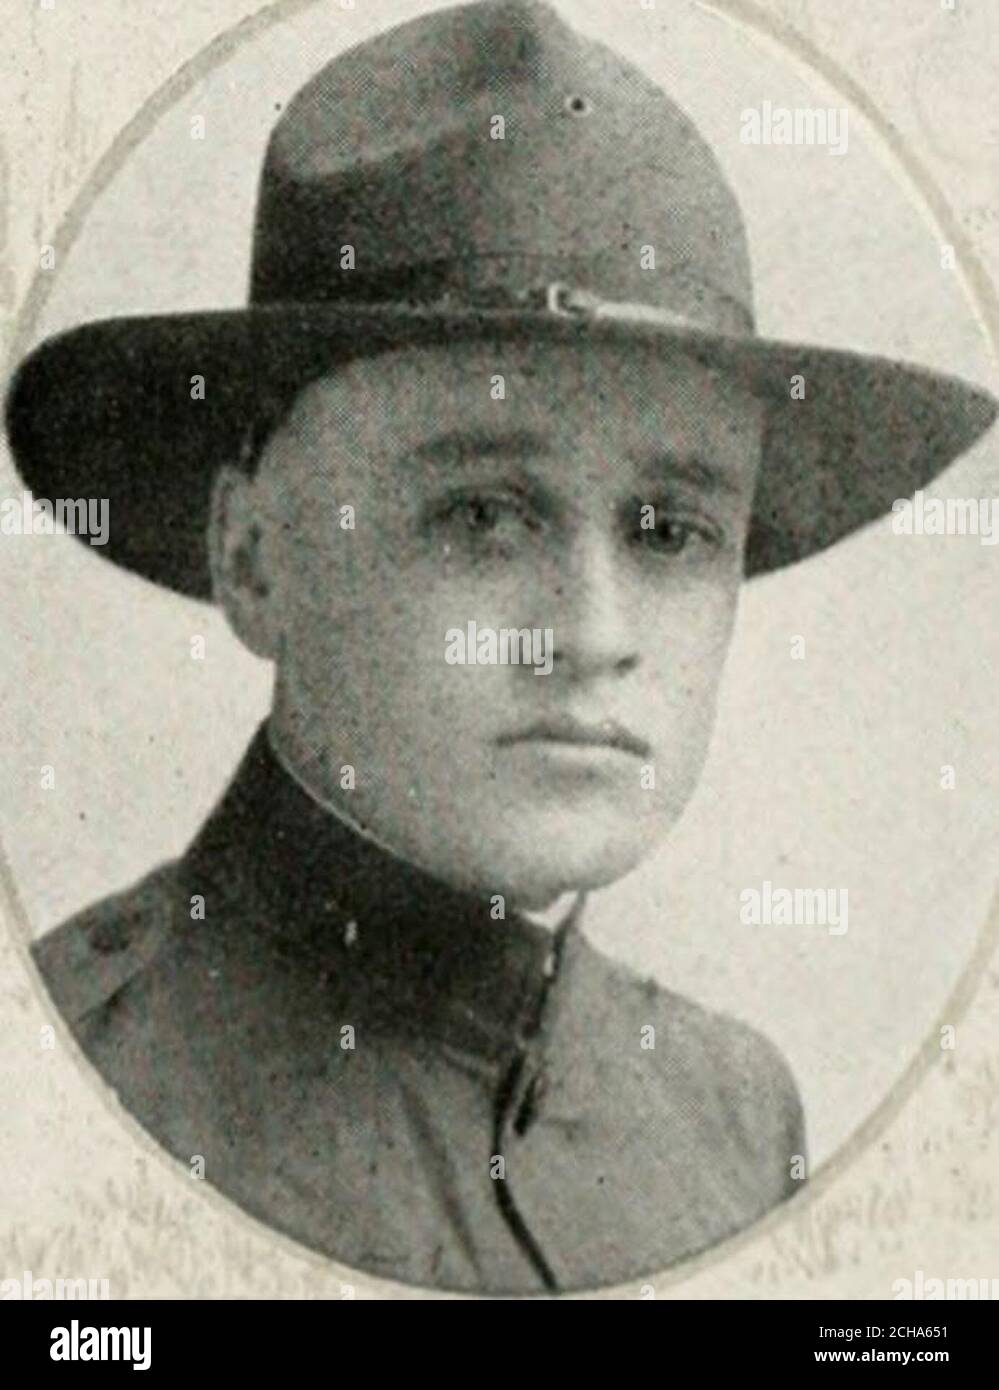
<point x="517" y="282"/>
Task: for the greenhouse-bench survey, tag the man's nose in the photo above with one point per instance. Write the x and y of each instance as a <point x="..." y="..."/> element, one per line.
<point x="594" y="619"/>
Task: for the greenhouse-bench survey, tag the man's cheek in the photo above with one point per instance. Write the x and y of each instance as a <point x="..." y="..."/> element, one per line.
<point x="408" y="661"/>
<point x="682" y="647"/>
<point x="702" y="643"/>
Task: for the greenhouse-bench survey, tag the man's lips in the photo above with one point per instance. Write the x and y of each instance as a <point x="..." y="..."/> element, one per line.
<point x="603" y="733"/>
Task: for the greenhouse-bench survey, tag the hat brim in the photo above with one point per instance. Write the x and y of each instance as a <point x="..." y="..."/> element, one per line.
<point x="106" y="411"/>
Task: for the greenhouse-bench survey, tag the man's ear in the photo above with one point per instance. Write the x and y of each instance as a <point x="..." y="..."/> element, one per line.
<point x="240" y="584"/>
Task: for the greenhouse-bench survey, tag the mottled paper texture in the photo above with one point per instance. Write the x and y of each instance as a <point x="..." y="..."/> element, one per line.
<point x="829" y="767"/>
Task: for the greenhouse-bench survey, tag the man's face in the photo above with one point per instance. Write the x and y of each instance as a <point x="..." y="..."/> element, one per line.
<point x="605" y="496"/>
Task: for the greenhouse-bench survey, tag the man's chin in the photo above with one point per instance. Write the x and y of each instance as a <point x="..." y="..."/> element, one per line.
<point x="551" y="855"/>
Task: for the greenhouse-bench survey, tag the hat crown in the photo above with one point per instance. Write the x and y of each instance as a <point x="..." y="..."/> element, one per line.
<point x="475" y="155"/>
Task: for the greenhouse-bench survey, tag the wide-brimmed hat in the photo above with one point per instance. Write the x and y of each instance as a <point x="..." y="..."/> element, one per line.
<point x="478" y="173"/>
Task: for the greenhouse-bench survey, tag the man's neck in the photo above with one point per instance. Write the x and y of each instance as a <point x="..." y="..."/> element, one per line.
<point x="334" y="808"/>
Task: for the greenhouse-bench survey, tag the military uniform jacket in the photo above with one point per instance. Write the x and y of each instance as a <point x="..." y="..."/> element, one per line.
<point x="374" y="1064"/>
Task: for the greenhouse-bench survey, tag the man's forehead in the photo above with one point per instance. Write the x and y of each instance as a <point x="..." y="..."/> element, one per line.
<point x="412" y="390"/>
<point x="417" y="417"/>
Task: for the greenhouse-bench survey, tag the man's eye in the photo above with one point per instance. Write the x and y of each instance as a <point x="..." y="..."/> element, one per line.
<point x="670" y="536"/>
<point x="486" y="513"/>
<point x="662" y="530"/>
<point x="481" y="513"/>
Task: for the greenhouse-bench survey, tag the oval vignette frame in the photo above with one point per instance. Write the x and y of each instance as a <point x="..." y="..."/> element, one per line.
<point x="979" y="291"/>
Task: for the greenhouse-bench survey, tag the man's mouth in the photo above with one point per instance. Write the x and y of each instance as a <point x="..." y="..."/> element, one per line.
<point x="565" y="729"/>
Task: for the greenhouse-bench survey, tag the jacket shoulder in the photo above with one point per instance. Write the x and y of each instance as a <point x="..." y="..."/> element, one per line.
<point x="750" y="1076"/>
<point x="739" y="1053"/>
<point x="86" y="960"/>
<point x="733" y="1078"/>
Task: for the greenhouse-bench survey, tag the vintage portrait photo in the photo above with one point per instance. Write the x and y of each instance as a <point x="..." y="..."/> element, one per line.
<point x="503" y="792"/>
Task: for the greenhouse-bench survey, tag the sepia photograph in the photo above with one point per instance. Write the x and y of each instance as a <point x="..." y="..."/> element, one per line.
<point x="498" y="519"/>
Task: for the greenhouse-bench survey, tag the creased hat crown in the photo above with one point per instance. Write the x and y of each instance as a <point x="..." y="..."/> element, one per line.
<point x="570" y="162"/>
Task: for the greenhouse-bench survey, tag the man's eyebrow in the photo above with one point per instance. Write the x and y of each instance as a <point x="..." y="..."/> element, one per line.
<point x="699" y="472"/>
<point x="462" y="446"/>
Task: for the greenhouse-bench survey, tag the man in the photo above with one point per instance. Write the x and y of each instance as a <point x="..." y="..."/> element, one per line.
<point x="464" y="392"/>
